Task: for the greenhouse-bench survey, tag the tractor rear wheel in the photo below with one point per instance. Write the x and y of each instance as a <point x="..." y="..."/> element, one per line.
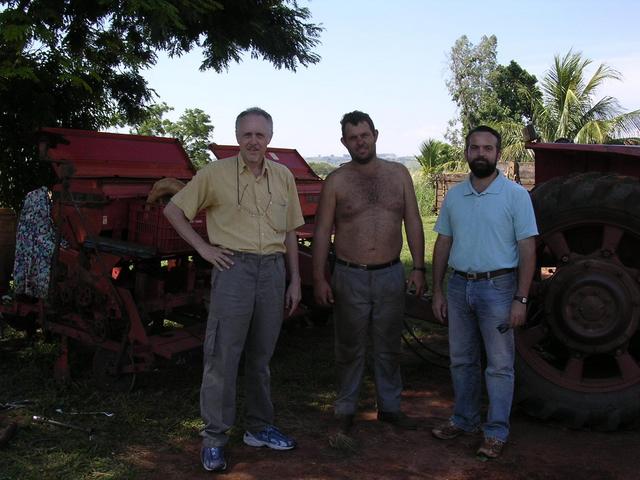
<point x="578" y="357"/>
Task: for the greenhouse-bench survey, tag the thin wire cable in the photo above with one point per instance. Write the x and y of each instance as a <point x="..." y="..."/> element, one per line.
<point x="423" y="346"/>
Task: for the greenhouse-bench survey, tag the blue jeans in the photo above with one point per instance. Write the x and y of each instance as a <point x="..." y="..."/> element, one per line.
<point x="476" y="308"/>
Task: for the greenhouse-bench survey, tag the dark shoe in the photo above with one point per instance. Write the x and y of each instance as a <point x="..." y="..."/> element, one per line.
<point x="399" y="419"/>
<point x="490" y="448"/>
<point x="213" y="459"/>
<point x="344" y="422"/>
<point x="269" y="437"/>
<point x="339" y="429"/>
<point x="448" y="431"/>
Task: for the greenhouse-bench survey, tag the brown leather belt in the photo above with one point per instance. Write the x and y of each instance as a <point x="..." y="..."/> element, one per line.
<point x="484" y="275"/>
<point x="367" y="267"/>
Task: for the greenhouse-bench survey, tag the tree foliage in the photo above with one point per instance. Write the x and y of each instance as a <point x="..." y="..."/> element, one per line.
<point x="502" y="96"/>
<point x="469" y="80"/>
<point x="193" y="129"/>
<point x="569" y="108"/>
<point x="437" y="157"/>
<point x="77" y="64"/>
<point x="514" y="92"/>
<point x="322" y="169"/>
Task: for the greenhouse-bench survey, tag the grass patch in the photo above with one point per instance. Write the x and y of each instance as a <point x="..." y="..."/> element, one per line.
<point x="160" y="415"/>
<point x="430" y="238"/>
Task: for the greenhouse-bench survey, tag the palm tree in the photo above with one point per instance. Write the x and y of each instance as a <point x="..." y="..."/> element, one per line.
<point x="512" y="144"/>
<point x="568" y="108"/>
<point x="437" y="156"/>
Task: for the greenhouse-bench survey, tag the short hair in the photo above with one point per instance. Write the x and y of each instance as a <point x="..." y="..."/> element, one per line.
<point x="255" y="111"/>
<point x="483" y="128"/>
<point x="354" y="118"/>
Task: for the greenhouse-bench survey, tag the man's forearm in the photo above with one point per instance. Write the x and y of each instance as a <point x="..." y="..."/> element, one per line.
<point x="439" y="262"/>
<point x="319" y="254"/>
<point x="291" y="244"/>
<point x="181" y="224"/>
<point x="415" y="239"/>
<point x="526" y="265"/>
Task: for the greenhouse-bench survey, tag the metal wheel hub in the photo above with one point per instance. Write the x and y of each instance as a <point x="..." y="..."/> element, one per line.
<point x="590" y="305"/>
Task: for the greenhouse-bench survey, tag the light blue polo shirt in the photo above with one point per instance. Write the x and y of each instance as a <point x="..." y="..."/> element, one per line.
<point x="487" y="226"/>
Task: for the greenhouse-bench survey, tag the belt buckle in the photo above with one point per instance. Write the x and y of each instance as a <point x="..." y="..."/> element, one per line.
<point x="472" y="276"/>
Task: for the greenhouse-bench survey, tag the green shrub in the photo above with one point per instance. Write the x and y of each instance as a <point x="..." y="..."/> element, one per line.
<point x="425" y="192"/>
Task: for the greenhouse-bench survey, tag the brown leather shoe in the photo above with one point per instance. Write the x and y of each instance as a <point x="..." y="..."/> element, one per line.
<point x="490" y="448"/>
<point x="399" y="419"/>
<point x="449" y="431"/>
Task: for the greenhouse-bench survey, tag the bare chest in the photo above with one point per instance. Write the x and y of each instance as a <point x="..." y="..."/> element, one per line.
<point x="377" y="196"/>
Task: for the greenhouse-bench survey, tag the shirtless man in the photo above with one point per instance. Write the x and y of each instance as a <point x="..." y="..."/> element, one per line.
<point x="366" y="201"/>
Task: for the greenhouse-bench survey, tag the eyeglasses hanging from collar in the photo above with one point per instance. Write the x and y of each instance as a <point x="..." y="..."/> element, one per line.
<point x="242" y="207"/>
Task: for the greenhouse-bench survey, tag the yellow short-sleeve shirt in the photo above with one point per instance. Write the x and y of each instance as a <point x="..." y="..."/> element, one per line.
<point x="244" y="212"/>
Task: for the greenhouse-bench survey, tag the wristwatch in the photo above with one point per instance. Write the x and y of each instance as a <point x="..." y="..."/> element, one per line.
<point x="523" y="300"/>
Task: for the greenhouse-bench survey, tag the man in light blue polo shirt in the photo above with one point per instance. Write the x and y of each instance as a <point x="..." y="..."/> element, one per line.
<point x="486" y="231"/>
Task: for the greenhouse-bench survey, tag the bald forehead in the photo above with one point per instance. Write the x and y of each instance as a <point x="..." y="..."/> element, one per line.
<point x="254" y="118"/>
<point x="254" y="123"/>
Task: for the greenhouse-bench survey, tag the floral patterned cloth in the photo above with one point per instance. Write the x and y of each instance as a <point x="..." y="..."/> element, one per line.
<point x="35" y="241"/>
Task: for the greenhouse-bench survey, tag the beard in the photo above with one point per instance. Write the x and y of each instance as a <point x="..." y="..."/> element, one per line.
<point x="482" y="168"/>
<point x="362" y="160"/>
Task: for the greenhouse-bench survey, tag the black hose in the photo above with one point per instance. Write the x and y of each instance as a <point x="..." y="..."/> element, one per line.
<point x="420" y="345"/>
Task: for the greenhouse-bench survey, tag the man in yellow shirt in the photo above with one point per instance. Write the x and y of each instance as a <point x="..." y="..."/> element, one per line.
<point x="252" y="210"/>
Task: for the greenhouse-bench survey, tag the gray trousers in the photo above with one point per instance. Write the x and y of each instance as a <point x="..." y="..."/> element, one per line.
<point x="368" y="304"/>
<point x="246" y="312"/>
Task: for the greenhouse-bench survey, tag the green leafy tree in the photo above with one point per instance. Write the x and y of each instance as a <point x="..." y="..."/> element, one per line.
<point x="436" y="157"/>
<point x="469" y="80"/>
<point x="514" y="92"/>
<point x="569" y="108"/>
<point x="77" y="64"/>
<point x="488" y="93"/>
<point x="154" y="122"/>
<point x="193" y="129"/>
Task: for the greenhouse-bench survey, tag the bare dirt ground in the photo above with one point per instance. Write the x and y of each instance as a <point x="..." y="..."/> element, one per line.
<point x="537" y="450"/>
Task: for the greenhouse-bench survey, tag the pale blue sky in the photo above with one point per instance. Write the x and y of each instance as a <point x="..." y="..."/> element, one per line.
<point x="389" y="60"/>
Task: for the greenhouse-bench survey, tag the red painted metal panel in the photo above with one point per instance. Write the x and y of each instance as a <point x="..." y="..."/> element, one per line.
<point x="114" y="155"/>
<point x="560" y="159"/>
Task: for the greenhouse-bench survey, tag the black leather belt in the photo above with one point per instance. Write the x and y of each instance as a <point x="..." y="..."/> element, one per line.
<point x="367" y="267"/>
<point x="484" y="275"/>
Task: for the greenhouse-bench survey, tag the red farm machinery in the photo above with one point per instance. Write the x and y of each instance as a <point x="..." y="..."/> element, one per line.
<point x="128" y="286"/>
<point x="578" y="356"/>
<point x="122" y="281"/>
